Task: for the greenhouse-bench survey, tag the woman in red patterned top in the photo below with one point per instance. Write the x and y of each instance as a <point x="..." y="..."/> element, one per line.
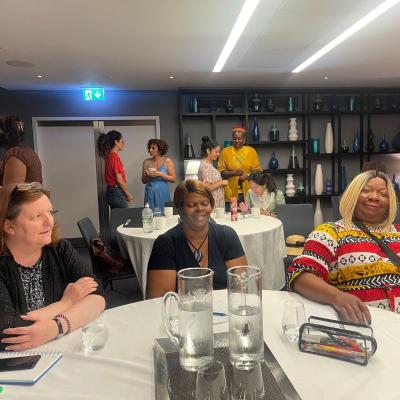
<point x="20" y="163"/>
<point x="117" y="194"/>
<point x="342" y="265"/>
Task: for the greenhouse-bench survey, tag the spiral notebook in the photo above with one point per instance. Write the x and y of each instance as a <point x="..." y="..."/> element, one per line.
<point x="29" y="376"/>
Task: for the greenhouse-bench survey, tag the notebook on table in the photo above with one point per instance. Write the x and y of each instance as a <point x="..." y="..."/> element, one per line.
<point x="29" y="376"/>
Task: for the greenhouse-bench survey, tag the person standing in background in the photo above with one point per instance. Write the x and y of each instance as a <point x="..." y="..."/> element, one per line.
<point x="209" y="175"/>
<point x="20" y="164"/>
<point x="157" y="171"/>
<point x="117" y="195"/>
<point x="236" y="163"/>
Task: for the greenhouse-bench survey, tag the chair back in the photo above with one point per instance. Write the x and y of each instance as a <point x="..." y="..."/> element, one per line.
<point x="119" y="216"/>
<point x="335" y="200"/>
<point x="171" y="204"/>
<point x="297" y="219"/>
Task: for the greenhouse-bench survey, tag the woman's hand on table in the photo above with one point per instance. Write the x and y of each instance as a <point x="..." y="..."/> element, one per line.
<point x="27" y="337"/>
<point x="351" y="308"/>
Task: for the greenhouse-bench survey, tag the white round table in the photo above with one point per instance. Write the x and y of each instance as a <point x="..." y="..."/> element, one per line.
<point x="262" y="240"/>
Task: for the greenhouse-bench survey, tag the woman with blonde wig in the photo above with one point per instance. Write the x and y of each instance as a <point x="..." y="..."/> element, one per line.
<point x="342" y="265"/>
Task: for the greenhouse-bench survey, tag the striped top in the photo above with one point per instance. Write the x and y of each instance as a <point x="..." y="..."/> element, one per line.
<point x="353" y="262"/>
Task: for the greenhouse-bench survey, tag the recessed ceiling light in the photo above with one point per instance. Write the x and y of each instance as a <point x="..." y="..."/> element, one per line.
<point x="171" y="77"/>
<point x="39" y="76"/>
<point x="245" y="14"/>
<point x="375" y="13"/>
<point x="325" y="77"/>
<point x="18" y="63"/>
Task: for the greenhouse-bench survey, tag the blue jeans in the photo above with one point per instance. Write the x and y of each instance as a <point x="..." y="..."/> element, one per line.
<point x="115" y="197"/>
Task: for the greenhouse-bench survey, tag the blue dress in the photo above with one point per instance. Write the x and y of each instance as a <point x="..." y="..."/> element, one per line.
<point x="156" y="192"/>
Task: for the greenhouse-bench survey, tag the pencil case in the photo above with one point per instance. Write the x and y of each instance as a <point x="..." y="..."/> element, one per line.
<point x="344" y="341"/>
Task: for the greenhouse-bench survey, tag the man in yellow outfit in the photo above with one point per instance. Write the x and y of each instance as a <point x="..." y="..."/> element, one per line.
<point x="236" y="163"/>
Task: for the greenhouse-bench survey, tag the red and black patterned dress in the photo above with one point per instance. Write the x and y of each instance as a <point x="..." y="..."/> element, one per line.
<point x="351" y="261"/>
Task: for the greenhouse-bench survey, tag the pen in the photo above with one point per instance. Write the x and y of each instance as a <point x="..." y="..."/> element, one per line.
<point x="127" y="222"/>
<point x="220" y="314"/>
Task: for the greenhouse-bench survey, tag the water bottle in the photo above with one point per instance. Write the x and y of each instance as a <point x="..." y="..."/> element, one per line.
<point x="147" y="219"/>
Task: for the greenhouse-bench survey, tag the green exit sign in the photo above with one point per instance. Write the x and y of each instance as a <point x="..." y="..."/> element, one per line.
<point x="93" y="94"/>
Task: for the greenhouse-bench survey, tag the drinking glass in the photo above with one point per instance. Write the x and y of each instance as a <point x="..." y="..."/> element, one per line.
<point x="211" y="383"/>
<point x="255" y="212"/>
<point x="157" y="214"/>
<point x="194" y="336"/>
<point x="94" y="334"/>
<point x="293" y="317"/>
<point x="247" y="384"/>
<point x="246" y="341"/>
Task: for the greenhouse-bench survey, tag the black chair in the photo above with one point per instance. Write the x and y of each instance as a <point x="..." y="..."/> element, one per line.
<point x="120" y="216"/>
<point x="171" y="204"/>
<point x="335" y="200"/>
<point x="89" y="232"/>
<point x="297" y="219"/>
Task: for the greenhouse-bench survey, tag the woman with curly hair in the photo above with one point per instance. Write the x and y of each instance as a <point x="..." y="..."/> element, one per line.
<point x="20" y="163"/>
<point x="157" y="171"/>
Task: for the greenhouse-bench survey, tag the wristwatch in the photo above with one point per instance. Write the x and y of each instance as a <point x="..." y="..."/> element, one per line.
<point x="60" y="328"/>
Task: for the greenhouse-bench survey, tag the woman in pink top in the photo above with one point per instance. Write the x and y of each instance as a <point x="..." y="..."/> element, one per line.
<point x="208" y="173"/>
<point x="117" y="194"/>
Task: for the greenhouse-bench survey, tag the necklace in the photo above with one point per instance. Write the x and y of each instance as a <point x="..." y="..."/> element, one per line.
<point x="197" y="254"/>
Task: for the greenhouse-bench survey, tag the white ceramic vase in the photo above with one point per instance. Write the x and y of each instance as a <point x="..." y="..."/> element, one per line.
<point x="293" y="136"/>
<point x="290" y="187"/>
<point x="319" y="180"/>
<point x="318" y="217"/>
<point x="329" y="139"/>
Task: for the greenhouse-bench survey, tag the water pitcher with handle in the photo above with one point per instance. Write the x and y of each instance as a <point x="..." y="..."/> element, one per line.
<point x="246" y="341"/>
<point x="192" y="330"/>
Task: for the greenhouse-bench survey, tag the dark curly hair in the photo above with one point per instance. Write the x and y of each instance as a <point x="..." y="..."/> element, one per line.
<point x="106" y="142"/>
<point x="161" y="145"/>
<point x="11" y="131"/>
<point x="207" y="143"/>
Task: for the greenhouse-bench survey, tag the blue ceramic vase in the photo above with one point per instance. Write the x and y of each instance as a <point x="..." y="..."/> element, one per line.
<point x="343" y="179"/>
<point x="273" y="162"/>
<point x="255" y="133"/>
<point x="356" y="142"/>
<point x="384" y="145"/>
<point x="328" y="187"/>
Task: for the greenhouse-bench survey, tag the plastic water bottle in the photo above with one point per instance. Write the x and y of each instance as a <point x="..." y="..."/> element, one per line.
<point x="147" y="219"/>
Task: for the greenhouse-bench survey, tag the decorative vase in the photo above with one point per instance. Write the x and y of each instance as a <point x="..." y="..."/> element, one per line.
<point x="228" y="143"/>
<point x="193" y="105"/>
<point x="329" y="139"/>
<point x="344" y="147"/>
<point x="293" y="161"/>
<point x="378" y="104"/>
<point x="318" y="180"/>
<point x="290" y="187"/>
<point x="352" y="104"/>
<point x="356" y="142"/>
<point x="293" y="135"/>
<point x="188" y="152"/>
<point x="343" y="179"/>
<point x="229" y="106"/>
<point x="273" y="162"/>
<point x="328" y="187"/>
<point x="255" y="133"/>
<point x="274" y="133"/>
<point x="212" y="107"/>
<point x="396" y="142"/>
<point x="318" y="217"/>
<point x="300" y="189"/>
<point x="256" y="103"/>
<point x="370" y="146"/>
<point x="334" y="103"/>
<point x="270" y="106"/>
<point x="315" y="145"/>
<point x="318" y="103"/>
<point x="384" y="145"/>
<point x="290" y="107"/>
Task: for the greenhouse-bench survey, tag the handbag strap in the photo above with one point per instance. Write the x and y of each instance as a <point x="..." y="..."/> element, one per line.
<point x="393" y="257"/>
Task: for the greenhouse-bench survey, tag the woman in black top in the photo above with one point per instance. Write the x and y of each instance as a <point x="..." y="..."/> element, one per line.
<point x="194" y="242"/>
<point x="45" y="289"/>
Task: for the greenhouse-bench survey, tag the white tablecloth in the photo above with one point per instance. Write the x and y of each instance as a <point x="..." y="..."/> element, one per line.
<point x="262" y="240"/>
<point x="124" y="368"/>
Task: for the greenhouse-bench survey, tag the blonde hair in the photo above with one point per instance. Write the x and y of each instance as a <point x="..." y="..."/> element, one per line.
<point x="349" y="199"/>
